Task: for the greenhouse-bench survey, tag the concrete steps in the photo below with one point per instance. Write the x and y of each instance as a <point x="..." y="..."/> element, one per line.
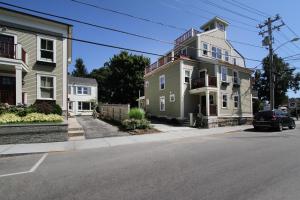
<point x="75" y="131"/>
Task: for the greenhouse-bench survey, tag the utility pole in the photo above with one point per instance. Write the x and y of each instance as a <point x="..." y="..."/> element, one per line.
<point x="268" y="41"/>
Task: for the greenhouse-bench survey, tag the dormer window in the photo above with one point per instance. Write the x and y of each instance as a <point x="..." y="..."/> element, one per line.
<point x="220" y="26"/>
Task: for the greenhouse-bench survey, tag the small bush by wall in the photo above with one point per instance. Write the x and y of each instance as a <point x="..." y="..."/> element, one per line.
<point x="131" y="124"/>
<point x="136" y="113"/>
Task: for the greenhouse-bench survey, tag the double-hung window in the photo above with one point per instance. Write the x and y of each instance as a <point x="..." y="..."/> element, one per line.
<point x="236" y="101"/>
<point x="205" y="49"/>
<point x="234" y="61"/>
<point x="214" y="52"/>
<point x="46" y="87"/>
<point x="162" y="82"/>
<point x="226" y="56"/>
<point x="187" y="75"/>
<point x="219" y="53"/>
<point x="83" y="90"/>
<point x="235" y="77"/>
<point x="224" y="100"/>
<point x="162" y="105"/>
<point x="46" y="48"/>
<point x="223" y="74"/>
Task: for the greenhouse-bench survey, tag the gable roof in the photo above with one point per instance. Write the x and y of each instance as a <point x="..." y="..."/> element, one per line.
<point x="82" y="81"/>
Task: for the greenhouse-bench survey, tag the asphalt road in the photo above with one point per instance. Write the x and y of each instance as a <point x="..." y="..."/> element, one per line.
<point x="240" y="165"/>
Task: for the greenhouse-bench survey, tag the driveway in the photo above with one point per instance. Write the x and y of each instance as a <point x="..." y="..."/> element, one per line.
<point x="95" y="128"/>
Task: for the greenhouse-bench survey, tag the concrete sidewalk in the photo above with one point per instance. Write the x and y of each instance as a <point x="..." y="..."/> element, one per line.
<point x="114" y="141"/>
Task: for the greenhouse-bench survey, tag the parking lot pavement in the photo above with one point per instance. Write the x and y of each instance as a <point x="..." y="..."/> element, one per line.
<point x="21" y="164"/>
<point x="95" y="128"/>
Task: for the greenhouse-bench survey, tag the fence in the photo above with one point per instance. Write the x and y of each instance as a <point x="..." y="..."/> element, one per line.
<point x="118" y="112"/>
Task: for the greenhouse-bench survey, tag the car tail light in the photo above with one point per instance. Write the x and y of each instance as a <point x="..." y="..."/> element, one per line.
<point x="273" y="118"/>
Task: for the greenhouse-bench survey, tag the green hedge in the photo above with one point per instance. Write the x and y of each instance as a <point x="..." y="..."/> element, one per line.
<point x="45" y="107"/>
<point x="136" y="113"/>
<point x="131" y="124"/>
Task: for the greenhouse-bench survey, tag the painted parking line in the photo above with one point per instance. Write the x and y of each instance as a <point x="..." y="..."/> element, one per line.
<point x="32" y="169"/>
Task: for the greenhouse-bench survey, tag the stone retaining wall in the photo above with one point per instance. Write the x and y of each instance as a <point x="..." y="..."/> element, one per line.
<point x="33" y="133"/>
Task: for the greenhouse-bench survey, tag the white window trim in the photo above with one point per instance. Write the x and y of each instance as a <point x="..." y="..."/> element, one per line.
<point x="237" y="101"/>
<point x="226" y="56"/>
<point x="226" y="100"/>
<point x="186" y="70"/>
<point x="234" y="61"/>
<point x="207" y="50"/>
<point x="160" y="98"/>
<point x="213" y="52"/>
<point x="221" y="53"/>
<point x="39" y="37"/>
<point x="164" y="77"/>
<point x="222" y="67"/>
<point x="238" y="75"/>
<point x="82" y="86"/>
<point x="81" y="106"/>
<point x="39" y="86"/>
<point x="72" y="106"/>
<point x="172" y="96"/>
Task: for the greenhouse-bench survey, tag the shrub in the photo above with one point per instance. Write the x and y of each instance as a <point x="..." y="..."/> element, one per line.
<point x="30" y="118"/>
<point x="47" y="107"/>
<point x="57" y="110"/>
<point x="131" y="124"/>
<point x="20" y="110"/>
<point x="136" y="113"/>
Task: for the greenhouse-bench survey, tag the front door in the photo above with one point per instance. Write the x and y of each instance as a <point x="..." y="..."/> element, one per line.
<point x="8" y="90"/>
<point x="203" y="105"/>
<point x="7" y="46"/>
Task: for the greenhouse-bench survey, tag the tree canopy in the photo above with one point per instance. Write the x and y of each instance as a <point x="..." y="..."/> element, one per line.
<point x="285" y="79"/>
<point x="80" y="69"/>
<point x="121" y="78"/>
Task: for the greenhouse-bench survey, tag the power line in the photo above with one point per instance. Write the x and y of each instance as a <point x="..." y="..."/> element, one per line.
<point x="108" y="45"/>
<point x="130" y="15"/>
<point x="254" y="9"/>
<point x="244" y="8"/>
<point x="288" y="39"/>
<point x="213" y="13"/>
<point x="229" y="10"/>
<point x="118" y="30"/>
<point x="85" y="41"/>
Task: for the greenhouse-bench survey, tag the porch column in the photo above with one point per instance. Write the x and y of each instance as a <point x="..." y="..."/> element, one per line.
<point x="18" y="85"/>
<point x="206" y="79"/>
<point x="207" y="103"/>
<point x="218" y="102"/>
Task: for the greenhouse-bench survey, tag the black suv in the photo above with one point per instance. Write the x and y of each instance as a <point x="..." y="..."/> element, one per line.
<point x="275" y="119"/>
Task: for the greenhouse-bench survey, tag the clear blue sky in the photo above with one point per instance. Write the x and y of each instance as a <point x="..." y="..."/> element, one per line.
<point x="175" y="12"/>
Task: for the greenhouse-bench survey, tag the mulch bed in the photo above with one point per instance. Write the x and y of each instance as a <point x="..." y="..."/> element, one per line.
<point x="143" y="131"/>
